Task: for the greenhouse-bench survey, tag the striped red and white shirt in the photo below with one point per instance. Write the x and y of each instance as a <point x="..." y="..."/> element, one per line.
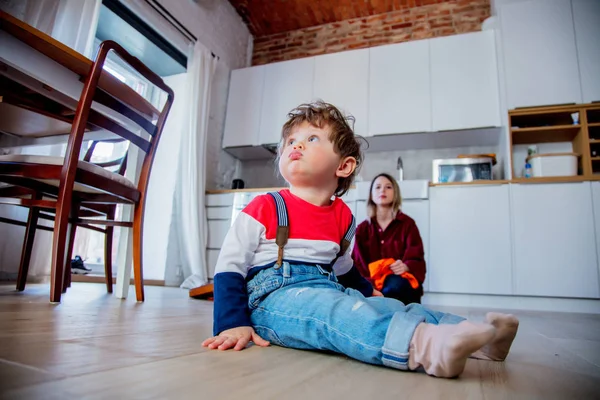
<point x="315" y="234"/>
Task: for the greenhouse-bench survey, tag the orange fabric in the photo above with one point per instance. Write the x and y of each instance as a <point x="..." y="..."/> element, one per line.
<point x="380" y="269"/>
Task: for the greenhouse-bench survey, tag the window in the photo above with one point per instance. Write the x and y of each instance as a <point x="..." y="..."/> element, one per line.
<point x="119" y="24"/>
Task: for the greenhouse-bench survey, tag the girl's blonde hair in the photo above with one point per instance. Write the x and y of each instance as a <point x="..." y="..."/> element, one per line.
<point x="372" y="207"/>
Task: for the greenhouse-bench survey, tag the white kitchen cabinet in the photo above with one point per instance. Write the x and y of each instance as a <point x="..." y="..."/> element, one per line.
<point x="342" y="79"/>
<point x="360" y="207"/>
<point x="464" y="81"/>
<point x="554" y="240"/>
<point x="212" y="256"/>
<point x="470" y="240"/>
<point x="540" y="55"/>
<point x="596" y="205"/>
<point x="586" y="16"/>
<point x="399" y="88"/>
<point x="242" y="121"/>
<point x="287" y="85"/>
<point x="217" y="230"/>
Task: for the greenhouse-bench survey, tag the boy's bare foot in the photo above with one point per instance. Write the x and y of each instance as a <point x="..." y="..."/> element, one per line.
<point x="442" y="350"/>
<point x="506" y="329"/>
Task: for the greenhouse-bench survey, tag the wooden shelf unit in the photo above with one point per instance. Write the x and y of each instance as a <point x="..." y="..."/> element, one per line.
<point x="553" y="124"/>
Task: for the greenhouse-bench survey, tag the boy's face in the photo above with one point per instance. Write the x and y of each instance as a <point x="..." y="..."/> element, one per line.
<point x="308" y="157"/>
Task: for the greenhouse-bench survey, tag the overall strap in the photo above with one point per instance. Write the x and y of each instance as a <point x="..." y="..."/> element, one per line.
<point x="283" y="226"/>
<point x="346" y="241"/>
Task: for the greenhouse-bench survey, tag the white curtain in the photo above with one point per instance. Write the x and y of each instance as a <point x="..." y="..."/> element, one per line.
<point x="191" y="219"/>
<point x="72" y="22"/>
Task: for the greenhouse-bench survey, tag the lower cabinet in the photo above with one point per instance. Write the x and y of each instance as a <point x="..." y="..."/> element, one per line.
<point x="470" y="249"/>
<point x="554" y="240"/>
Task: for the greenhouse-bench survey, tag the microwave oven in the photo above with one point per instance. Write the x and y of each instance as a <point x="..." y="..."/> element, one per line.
<point x="462" y="169"/>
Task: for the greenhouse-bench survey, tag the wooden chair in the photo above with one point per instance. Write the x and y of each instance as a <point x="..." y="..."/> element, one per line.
<point x="81" y="183"/>
<point x="85" y="210"/>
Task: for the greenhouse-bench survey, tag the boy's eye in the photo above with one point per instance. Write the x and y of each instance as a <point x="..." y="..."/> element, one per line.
<point x="313" y="139"/>
<point x="291" y="141"/>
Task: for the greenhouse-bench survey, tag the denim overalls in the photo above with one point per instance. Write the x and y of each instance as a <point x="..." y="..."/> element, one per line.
<point x="303" y="306"/>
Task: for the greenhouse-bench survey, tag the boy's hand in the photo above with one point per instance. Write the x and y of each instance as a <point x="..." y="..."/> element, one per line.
<point x="237" y="338"/>
<point x="377" y="293"/>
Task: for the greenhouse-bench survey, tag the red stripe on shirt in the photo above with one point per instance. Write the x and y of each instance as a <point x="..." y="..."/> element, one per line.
<point x="306" y="220"/>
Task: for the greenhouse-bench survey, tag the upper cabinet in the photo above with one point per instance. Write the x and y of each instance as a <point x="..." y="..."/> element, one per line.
<point x="287" y="85"/>
<point x="399" y="88"/>
<point x="342" y="79"/>
<point x="540" y="56"/>
<point x="464" y="81"/>
<point x="242" y="122"/>
<point x="586" y="15"/>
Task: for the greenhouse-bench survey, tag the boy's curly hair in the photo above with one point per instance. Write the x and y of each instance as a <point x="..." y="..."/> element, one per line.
<point x="345" y="143"/>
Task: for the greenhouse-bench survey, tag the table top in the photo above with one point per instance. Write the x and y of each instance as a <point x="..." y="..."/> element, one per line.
<point x="74" y="61"/>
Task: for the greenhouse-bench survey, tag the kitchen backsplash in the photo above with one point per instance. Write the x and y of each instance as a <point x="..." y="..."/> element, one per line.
<point x="417" y="165"/>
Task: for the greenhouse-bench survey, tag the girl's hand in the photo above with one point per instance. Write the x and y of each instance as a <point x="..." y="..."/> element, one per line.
<point x="398" y="267"/>
<point x="377" y="293"/>
<point x="236" y="338"/>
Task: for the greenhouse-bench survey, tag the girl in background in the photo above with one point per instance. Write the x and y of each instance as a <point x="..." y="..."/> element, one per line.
<point x="388" y="233"/>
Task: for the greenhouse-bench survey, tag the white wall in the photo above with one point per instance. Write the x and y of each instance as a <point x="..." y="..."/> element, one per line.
<point x="218" y="26"/>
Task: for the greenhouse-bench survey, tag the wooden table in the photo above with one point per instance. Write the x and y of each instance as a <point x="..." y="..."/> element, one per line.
<point x="45" y="78"/>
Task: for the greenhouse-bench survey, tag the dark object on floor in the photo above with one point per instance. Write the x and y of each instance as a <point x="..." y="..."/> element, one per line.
<point x="204" y="292"/>
<point x="77" y="266"/>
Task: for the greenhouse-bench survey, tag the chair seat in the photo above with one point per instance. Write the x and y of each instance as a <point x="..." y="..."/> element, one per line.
<point x="83" y="165"/>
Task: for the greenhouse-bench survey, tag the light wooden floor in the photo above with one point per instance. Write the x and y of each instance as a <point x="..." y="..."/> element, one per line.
<point x="96" y="346"/>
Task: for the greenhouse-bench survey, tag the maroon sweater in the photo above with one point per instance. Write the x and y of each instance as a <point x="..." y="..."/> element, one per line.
<point x="401" y="240"/>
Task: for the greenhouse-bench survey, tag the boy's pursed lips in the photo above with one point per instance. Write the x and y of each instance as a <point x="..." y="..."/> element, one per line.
<point x="295" y="155"/>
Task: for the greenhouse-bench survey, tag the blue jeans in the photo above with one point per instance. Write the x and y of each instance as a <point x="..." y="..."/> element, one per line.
<point x="303" y="307"/>
<point x="399" y="288"/>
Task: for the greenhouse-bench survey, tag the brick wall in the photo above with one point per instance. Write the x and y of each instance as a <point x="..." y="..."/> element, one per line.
<point x="443" y="19"/>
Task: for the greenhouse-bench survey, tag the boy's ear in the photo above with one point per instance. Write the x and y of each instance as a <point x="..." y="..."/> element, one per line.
<point x="346" y="167"/>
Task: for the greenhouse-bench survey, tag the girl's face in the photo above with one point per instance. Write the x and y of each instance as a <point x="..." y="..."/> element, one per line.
<point x="382" y="192"/>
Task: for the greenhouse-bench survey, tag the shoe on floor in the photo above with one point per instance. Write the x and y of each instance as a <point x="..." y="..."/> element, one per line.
<point x="77" y="266"/>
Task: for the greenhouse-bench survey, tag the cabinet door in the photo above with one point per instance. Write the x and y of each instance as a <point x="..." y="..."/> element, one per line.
<point x="540" y="57"/>
<point x="212" y="255"/>
<point x="596" y="204"/>
<point x="242" y="121"/>
<point x="464" y="81"/>
<point x="287" y="85"/>
<point x="217" y="230"/>
<point x="342" y="79"/>
<point x="586" y="15"/>
<point x="399" y="91"/>
<point x="470" y="240"/>
<point x="554" y="241"/>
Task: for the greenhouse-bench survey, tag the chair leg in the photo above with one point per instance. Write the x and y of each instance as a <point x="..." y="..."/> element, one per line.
<point x="138" y="225"/>
<point x="108" y="242"/>
<point x="59" y="245"/>
<point x="68" y="256"/>
<point x="32" y="221"/>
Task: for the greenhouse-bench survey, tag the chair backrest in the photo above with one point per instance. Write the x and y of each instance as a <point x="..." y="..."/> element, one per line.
<point x="119" y="162"/>
<point x="152" y="122"/>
